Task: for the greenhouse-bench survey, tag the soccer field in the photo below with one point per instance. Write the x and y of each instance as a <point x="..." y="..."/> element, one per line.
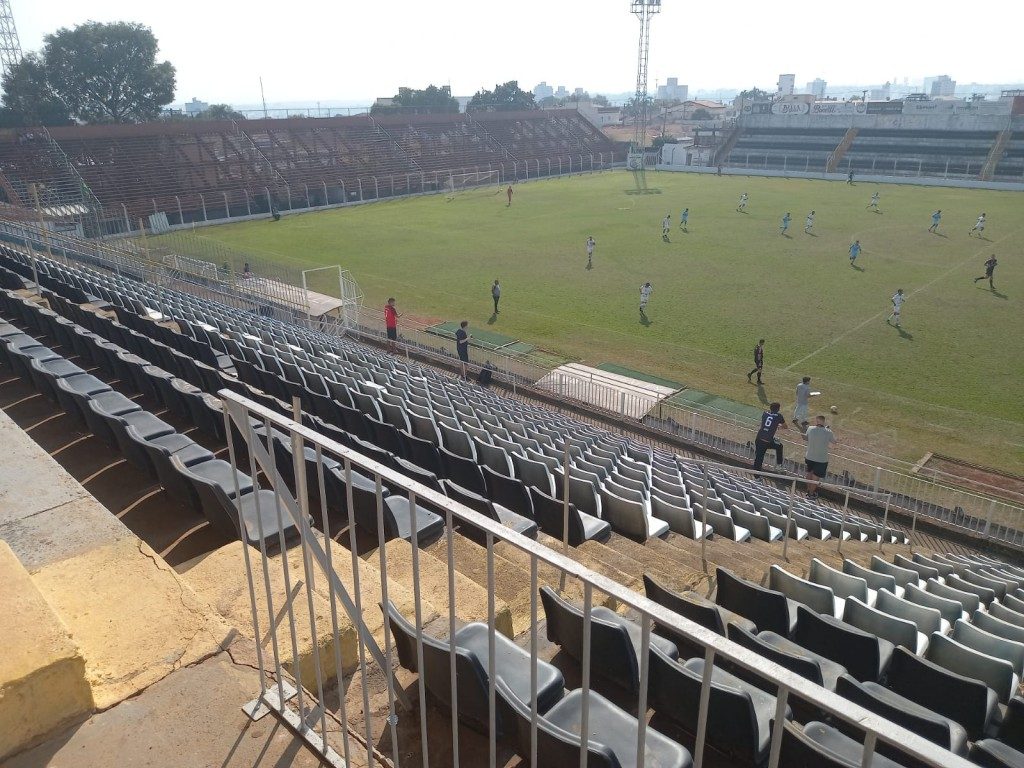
<point x="946" y="382"/>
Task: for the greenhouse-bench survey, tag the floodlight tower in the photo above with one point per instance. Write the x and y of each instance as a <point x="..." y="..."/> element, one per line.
<point x="10" y="46"/>
<point x="643" y="10"/>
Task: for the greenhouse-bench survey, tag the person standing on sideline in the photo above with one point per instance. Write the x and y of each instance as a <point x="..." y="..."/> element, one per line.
<point x="785" y="223"/>
<point x="684" y="218"/>
<point x="873" y="205"/>
<point x="590" y="252"/>
<point x="854" y="251"/>
<point x="645" y="296"/>
<point x="803" y="396"/>
<point x="496" y="295"/>
<point x="819" y="438"/>
<point x="666" y="225"/>
<point x="809" y="223"/>
<point x="509" y="193"/>
<point x="979" y="227"/>
<point x="771" y="420"/>
<point x="462" y="338"/>
<point x="990" y="268"/>
<point x="758" y="361"/>
<point x="936" y="218"/>
<point x="897" y="303"/>
<point x="849" y="179"/>
<point x="743" y="203"/>
<point x="391" y="323"/>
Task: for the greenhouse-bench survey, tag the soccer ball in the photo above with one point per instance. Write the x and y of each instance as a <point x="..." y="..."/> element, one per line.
<point x="834" y="409"/>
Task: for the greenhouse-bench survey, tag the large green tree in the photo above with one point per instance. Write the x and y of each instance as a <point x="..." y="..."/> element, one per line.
<point x="28" y="97"/>
<point x="220" y="112"/>
<point x="430" y="100"/>
<point x="98" y="73"/>
<point x="505" y="97"/>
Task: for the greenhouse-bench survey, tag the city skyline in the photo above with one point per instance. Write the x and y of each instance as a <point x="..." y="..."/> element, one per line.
<point x="311" y="53"/>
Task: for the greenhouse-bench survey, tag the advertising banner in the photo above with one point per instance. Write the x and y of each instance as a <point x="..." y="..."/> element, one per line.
<point x="790" y="108"/>
<point x="885" y="107"/>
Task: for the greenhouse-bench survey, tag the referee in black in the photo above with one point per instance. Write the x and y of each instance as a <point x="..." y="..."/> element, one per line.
<point x="758" y="361"/>
<point x="990" y="268"/>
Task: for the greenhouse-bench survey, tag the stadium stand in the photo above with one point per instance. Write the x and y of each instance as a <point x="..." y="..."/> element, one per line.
<point x="95" y="344"/>
<point x="796" y="149"/>
<point x="199" y="170"/>
<point x="1011" y="165"/>
<point x="959" y="154"/>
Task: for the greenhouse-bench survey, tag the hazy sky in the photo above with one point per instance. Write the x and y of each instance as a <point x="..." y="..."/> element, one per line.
<point x="308" y="50"/>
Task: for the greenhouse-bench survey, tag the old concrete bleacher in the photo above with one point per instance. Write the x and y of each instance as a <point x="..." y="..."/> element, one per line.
<point x="959" y="154"/>
<point x="796" y="149"/>
<point x="1011" y="165"/>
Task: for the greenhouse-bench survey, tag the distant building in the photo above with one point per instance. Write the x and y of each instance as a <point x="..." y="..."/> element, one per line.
<point x="542" y="91"/>
<point x="194" y="107"/>
<point x="687" y="109"/>
<point x="881" y="94"/>
<point x="600" y="116"/>
<point x="942" y="85"/>
<point x="817" y="88"/>
<point x="560" y="92"/>
<point x="786" y="84"/>
<point x="673" y="91"/>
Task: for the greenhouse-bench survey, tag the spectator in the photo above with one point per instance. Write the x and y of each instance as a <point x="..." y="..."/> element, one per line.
<point x="247" y="270"/>
<point x="803" y="396"/>
<point x="496" y="295"/>
<point x="819" y="438"/>
<point x="462" y="338"/>
<point x="391" y="323"/>
<point x="771" y="420"/>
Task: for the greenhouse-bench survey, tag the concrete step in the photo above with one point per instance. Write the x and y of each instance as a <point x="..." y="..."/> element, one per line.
<point x="219" y="577"/>
<point x="656" y="560"/>
<point x="43" y="683"/>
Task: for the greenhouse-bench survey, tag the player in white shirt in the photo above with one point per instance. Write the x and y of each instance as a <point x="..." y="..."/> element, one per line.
<point x="743" y="202"/>
<point x="873" y="205"/>
<point x="645" y="295"/>
<point x="666" y="225"/>
<point x="979" y="227"/>
<point x="897" y="302"/>
<point x="809" y="223"/>
<point x="590" y="251"/>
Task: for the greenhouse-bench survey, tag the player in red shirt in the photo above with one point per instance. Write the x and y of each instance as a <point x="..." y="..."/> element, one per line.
<point x="391" y="323"/>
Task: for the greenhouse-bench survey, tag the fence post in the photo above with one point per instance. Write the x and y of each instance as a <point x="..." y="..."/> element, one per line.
<point x="885" y="521"/>
<point x="878" y="479"/>
<point x="991" y="514"/>
<point x="227" y="207"/>
<point x="842" y="523"/>
<point x="376" y="189"/>
<point x="181" y="216"/>
<point x="565" y="499"/>
<point x="248" y="205"/>
<point x="288" y="190"/>
<point x="202" y="200"/>
<point x="360" y="182"/>
<point x="270" y="200"/>
<point x="705" y="523"/>
<point x="127" y="221"/>
<point x="308" y="204"/>
<point x="327" y="198"/>
<point x="789" y="521"/>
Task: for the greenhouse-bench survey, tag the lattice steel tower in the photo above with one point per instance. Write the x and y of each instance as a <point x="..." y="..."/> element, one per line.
<point x="643" y="10"/>
<point x="10" y="46"/>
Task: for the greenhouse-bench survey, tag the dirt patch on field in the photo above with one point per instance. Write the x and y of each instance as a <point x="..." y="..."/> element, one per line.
<point x="982" y="479"/>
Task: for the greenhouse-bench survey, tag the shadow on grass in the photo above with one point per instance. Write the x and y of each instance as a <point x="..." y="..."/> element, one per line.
<point x="859" y="269"/>
<point x="492" y="319"/>
<point x="645" y="320"/>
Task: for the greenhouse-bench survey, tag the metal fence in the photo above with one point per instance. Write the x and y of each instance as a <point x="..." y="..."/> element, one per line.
<point x="299" y="698"/>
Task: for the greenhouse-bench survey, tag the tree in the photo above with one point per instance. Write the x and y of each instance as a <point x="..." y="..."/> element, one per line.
<point x="632" y="107"/>
<point x="28" y="97"/>
<point x="431" y="100"/>
<point x="220" y="112"/>
<point x="660" y="141"/>
<point x="600" y="100"/>
<point x="98" y="73"/>
<point x="751" y="94"/>
<point x="504" y="98"/>
<point x="701" y="114"/>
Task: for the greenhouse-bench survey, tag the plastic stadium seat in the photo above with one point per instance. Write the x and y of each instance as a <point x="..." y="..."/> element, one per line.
<point x="996" y="626"/>
<point x="927" y="620"/>
<point x="768" y="609"/>
<point x="611" y="743"/>
<point x="679" y="518"/>
<point x="697" y="609"/>
<point x="495" y="512"/>
<point x="815" y="667"/>
<point x="842" y="584"/>
<point x="864" y="655"/>
<point x="614" y="641"/>
<point x="990" y="644"/>
<point x="1005" y="614"/>
<point x="758" y="525"/>
<point x="511" y="665"/>
<point x="876" y="622"/>
<point x="463" y="472"/>
<point x="969" y="601"/>
<point x="508" y="492"/>
<point x="950" y="610"/>
<point x="739" y="714"/>
<point x="906" y="713"/>
<point x="874" y="579"/>
<point x="550" y="516"/>
<point x="924" y="572"/>
<point x="630" y="518"/>
<point x="821" y="746"/>
<point x="990" y="753"/>
<point x="944" y="569"/>
<point x="994" y="672"/>
<point x="998" y="587"/>
<point x="819" y="598"/>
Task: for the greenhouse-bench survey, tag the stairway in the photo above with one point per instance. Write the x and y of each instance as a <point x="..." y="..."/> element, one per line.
<point x="995" y="154"/>
<point x="840" y="151"/>
<point x="722" y="153"/>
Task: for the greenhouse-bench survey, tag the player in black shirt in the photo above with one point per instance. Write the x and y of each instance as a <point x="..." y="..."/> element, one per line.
<point x="771" y="421"/>
<point x="758" y="361"/>
<point x="990" y="267"/>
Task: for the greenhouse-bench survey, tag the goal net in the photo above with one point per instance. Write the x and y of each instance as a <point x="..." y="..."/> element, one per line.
<point x="458" y="182"/>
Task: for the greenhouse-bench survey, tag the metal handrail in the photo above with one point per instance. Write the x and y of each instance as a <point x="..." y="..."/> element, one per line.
<point x="788" y="683"/>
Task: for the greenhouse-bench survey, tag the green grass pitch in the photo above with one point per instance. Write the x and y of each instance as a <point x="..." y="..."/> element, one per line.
<point x="947" y="382"/>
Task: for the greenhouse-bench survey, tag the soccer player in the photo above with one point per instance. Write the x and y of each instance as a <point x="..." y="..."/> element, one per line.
<point x="496" y="295"/>
<point x="590" y="251"/>
<point x="819" y="438"/>
<point x="684" y="218"/>
<point x="509" y="193"/>
<point x="990" y="268"/>
<point x="645" y="295"/>
<point x="936" y="218"/>
<point x="809" y="223"/>
<point x="743" y="202"/>
<point x="666" y="225"/>
<point x="854" y="251"/>
<point x="758" y="361"/>
<point x="803" y="395"/>
<point x="873" y="205"/>
<point x="771" y="420"/>
<point x="979" y="227"/>
<point x="849" y="179"/>
<point x="785" y="223"/>
<point x="897" y="303"/>
<point x="391" y="323"/>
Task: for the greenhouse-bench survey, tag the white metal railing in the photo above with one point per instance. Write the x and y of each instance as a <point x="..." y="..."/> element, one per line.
<point x="304" y="705"/>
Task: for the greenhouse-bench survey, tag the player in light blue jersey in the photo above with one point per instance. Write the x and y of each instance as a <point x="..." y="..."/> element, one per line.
<point x="785" y="223"/>
<point x="854" y="251"/>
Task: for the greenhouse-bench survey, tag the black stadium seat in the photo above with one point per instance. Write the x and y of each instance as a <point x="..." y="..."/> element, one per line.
<point x="768" y="609"/>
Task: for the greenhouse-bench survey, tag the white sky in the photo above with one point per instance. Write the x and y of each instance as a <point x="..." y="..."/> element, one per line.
<point x="345" y="50"/>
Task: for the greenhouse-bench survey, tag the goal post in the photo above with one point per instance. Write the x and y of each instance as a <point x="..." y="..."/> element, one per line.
<point x="459" y="182"/>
